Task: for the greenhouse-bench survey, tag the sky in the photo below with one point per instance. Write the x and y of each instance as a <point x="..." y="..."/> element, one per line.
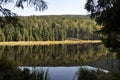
<point x="55" y="7"/>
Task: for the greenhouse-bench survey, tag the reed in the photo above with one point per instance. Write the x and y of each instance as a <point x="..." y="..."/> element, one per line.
<point x="20" y="43"/>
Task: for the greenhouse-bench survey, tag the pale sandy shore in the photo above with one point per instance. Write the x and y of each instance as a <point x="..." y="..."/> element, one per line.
<point x="22" y="43"/>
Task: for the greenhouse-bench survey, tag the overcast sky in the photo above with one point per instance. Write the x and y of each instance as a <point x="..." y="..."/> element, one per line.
<point x="55" y="7"/>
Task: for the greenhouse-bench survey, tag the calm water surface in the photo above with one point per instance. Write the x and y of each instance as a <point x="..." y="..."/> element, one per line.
<point x="62" y="73"/>
<point x="63" y="61"/>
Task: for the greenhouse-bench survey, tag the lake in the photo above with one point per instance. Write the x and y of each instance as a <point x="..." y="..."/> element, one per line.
<point x="62" y="73"/>
<point x="62" y="61"/>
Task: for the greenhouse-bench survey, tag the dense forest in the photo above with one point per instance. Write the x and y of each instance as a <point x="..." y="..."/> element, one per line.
<point x="42" y="28"/>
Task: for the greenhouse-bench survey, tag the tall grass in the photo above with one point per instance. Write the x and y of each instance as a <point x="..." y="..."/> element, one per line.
<point x="10" y="71"/>
<point x="20" y="43"/>
<point x="85" y="74"/>
<point x="40" y="74"/>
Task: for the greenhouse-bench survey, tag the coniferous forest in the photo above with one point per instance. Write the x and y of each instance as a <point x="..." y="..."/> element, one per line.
<point x="44" y="28"/>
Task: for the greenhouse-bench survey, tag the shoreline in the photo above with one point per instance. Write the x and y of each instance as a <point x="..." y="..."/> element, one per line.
<point x="25" y="43"/>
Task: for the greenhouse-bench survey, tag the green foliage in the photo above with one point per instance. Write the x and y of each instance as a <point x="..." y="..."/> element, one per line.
<point x="10" y="71"/>
<point x="107" y="14"/>
<point x="86" y="74"/>
<point x="38" y="28"/>
<point x="2" y="37"/>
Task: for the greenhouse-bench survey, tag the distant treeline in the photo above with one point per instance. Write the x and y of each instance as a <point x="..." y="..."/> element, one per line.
<point x="39" y="28"/>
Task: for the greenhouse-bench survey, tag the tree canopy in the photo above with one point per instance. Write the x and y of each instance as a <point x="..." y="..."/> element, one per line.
<point x="39" y="28"/>
<point x="107" y="14"/>
<point x="37" y="4"/>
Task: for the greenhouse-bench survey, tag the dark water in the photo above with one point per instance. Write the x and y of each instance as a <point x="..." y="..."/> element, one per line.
<point x="62" y="60"/>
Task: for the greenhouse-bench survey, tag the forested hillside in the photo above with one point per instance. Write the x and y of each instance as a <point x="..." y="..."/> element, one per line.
<point x="42" y="28"/>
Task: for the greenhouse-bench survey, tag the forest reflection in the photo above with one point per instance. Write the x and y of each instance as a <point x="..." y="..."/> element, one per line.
<point x="10" y="71"/>
<point x="11" y="57"/>
<point x="54" y="55"/>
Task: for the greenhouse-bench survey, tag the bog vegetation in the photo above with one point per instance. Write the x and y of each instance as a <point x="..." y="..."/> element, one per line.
<point x="10" y="71"/>
<point x="43" y="28"/>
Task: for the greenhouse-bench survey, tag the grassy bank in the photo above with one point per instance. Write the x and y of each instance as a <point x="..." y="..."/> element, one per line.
<point x="22" y="43"/>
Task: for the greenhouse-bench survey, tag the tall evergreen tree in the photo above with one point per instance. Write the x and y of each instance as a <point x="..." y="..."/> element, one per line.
<point x="107" y="14"/>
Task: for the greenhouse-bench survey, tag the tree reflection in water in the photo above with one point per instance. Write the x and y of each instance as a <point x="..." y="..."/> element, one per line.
<point x="10" y="71"/>
<point x="54" y="55"/>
